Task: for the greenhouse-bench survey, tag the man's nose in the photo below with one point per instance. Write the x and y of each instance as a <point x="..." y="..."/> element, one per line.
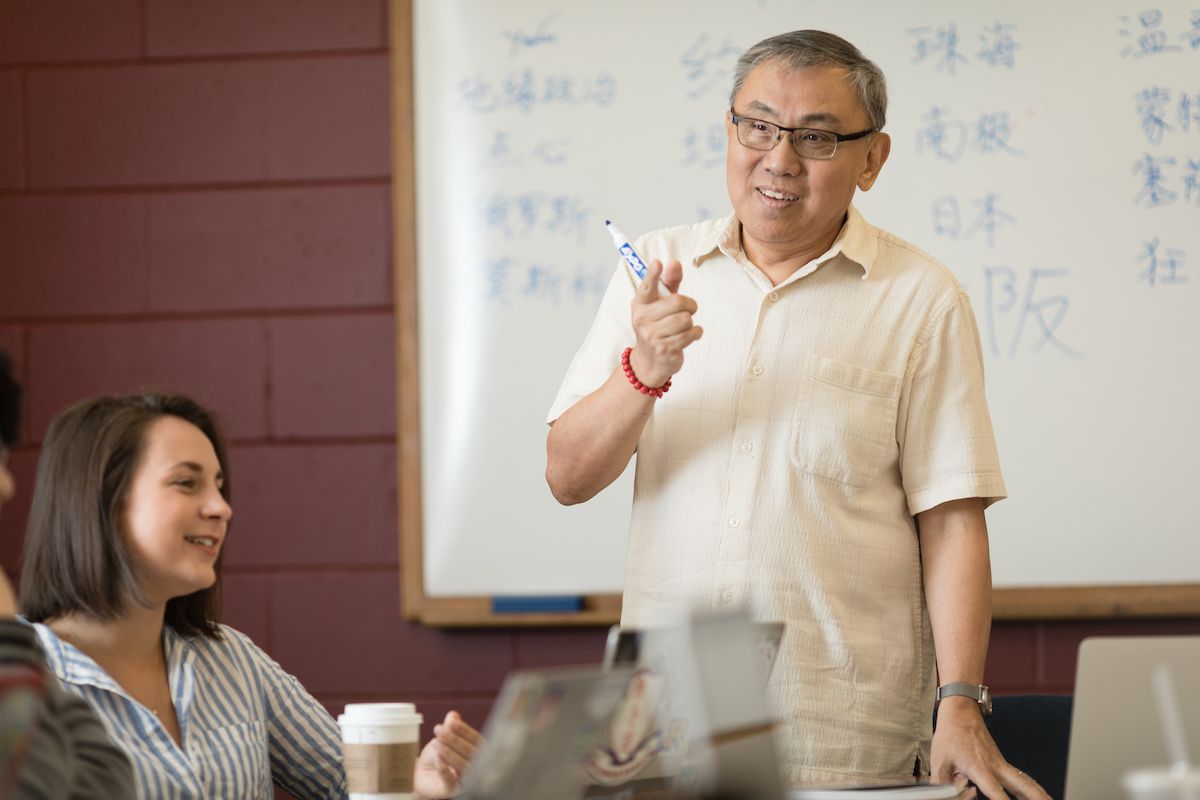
<point x="782" y="159"/>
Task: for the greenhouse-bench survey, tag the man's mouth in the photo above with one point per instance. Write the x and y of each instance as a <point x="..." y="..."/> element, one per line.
<point x="775" y="194"/>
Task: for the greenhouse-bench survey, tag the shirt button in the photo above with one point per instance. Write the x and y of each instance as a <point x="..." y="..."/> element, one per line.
<point x="734" y="522"/>
<point x="726" y="597"/>
<point x="747" y="447"/>
<point x="773" y="296"/>
<point x="757" y="369"/>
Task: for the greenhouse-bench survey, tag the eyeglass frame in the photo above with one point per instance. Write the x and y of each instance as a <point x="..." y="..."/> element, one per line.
<point x="735" y="118"/>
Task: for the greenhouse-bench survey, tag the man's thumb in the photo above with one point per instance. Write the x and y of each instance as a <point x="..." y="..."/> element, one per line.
<point x="648" y="289"/>
<point x="672" y="276"/>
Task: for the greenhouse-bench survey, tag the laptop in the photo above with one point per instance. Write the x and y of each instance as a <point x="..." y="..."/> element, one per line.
<point x="541" y="731"/>
<point x="653" y="746"/>
<point x="1115" y="725"/>
<point x="625" y="646"/>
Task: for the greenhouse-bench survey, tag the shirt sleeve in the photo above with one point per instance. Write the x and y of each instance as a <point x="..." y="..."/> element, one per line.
<point x="69" y="754"/>
<point x="303" y="740"/>
<point x="947" y="446"/>
<point x="598" y="356"/>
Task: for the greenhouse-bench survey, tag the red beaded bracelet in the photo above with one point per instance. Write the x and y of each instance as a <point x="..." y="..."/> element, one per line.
<point x="641" y="387"/>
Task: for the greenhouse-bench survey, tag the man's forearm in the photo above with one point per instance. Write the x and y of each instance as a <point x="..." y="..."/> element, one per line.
<point x="590" y="445"/>
<point x="958" y="587"/>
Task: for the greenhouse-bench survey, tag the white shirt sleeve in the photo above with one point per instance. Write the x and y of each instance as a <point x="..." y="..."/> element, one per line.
<point x="600" y="353"/>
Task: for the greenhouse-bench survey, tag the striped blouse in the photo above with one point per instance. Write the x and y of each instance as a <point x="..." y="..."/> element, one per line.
<point x="245" y="722"/>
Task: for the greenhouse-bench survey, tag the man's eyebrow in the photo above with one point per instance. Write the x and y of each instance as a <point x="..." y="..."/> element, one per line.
<point x="820" y="117"/>
<point x="756" y="105"/>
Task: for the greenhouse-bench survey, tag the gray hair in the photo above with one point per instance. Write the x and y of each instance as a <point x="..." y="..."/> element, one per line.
<point x="802" y="49"/>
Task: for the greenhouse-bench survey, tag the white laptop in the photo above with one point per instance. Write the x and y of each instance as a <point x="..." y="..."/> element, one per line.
<point x="625" y="646"/>
<point x="1115" y="724"/>
<point x="654" y="744"/>
<point x="542" y="729"/>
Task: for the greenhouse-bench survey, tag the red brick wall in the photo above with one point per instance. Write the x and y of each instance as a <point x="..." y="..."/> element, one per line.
<point x="194" y="194"/>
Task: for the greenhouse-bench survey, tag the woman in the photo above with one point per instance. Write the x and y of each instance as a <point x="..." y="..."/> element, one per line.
<point x="121" y="570"/>
<point x="53" y="745"/>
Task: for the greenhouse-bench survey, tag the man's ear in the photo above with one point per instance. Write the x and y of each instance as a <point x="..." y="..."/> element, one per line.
<point x="877" y="154"/>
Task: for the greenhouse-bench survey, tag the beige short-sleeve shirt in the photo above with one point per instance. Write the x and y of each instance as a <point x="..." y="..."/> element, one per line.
<point x="782" y="471"/>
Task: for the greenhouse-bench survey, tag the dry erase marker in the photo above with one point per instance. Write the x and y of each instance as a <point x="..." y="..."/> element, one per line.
<point x="631" y="257"/>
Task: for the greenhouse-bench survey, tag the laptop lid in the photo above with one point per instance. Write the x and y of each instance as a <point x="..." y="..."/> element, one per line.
<point x="541" y="731"/>
<point x="625" y="646"/>
<point x="699" y="682"/>
<point x="1115" y="725"/>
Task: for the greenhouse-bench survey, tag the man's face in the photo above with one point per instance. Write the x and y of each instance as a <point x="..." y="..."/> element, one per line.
<point x="789" y="205"/>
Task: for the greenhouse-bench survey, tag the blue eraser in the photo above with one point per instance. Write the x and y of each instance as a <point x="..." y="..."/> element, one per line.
<point x="537" y="604"/>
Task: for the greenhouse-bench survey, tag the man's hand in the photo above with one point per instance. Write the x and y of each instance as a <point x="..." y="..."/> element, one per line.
<point x="663" y="324"/>
<point x="445" y="759"/>
<point x="963" y="748"/>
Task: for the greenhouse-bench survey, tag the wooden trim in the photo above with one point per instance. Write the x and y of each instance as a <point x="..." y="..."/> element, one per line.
<point x="1040" y="603"/>
<point x="414" y="603"/>
<point x="404" y="267"/>
<point x="1096" y="602"/>
<point x="461" y="612"/>
<point x="1008" y="605"/>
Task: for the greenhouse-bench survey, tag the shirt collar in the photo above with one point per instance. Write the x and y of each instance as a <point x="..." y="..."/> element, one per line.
<point x="855" y="242"/>
<point x="71" y="665"/>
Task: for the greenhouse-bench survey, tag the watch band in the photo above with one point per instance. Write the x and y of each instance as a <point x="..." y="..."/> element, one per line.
<point x="977" y="692"/>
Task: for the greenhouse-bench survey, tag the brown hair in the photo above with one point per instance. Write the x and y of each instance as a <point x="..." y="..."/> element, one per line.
<point x="76" y="560"/>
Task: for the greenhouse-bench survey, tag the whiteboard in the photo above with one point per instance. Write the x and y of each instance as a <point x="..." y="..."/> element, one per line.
<point x="1050" y="156"/>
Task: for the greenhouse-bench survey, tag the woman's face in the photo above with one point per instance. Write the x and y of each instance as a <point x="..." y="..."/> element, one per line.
<point x="174" y="516"/>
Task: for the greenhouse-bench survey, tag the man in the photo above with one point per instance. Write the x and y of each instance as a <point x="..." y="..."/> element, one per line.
<point x="53" y="746"/>
<point x="826" y="454"/>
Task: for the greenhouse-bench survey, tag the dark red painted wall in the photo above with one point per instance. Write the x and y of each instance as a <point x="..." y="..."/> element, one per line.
<point x="194" y="194"/>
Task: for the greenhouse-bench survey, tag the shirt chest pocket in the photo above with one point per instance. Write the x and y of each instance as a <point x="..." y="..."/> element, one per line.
<point x="845" y="421"/>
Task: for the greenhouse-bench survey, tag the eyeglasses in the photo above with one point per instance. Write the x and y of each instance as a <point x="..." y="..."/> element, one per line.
<point x="758" y="134"/>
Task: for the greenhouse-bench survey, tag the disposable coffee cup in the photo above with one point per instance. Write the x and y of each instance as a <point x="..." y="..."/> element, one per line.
<point x="1162" y="783"/>
<point x="379" y="749"/>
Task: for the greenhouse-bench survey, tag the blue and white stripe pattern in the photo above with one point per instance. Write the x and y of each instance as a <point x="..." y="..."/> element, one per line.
<point x="245" y="722"/>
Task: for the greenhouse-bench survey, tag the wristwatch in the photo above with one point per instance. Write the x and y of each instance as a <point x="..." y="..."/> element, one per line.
<point x="977" y="692"/>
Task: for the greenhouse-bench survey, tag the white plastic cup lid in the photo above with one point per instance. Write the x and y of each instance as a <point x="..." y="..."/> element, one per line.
<point x="380" y="714"/>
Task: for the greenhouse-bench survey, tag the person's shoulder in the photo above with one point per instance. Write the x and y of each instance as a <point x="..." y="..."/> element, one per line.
<point x="51" y="645"/>
<point x="685" y="241"/>
<point x="16" y="628"/>
<point x="693" y="231"/>
<point x="903" y="258"/>
<point x="229" y="640"/>
<point x="18" y="642"/>
<point x="231" y="650"/>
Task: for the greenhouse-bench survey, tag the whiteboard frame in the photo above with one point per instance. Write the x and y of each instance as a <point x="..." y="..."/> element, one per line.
<point x="1008" y="604"/>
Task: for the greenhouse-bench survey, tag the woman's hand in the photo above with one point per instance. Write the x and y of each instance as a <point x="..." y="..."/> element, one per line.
<point x="445" y="760"/>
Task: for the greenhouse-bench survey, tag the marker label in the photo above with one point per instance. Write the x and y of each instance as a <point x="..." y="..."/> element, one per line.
<point x="626" y="250"/>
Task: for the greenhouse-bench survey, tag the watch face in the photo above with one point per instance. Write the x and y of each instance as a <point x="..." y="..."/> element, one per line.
<point x="985" y="701"/>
